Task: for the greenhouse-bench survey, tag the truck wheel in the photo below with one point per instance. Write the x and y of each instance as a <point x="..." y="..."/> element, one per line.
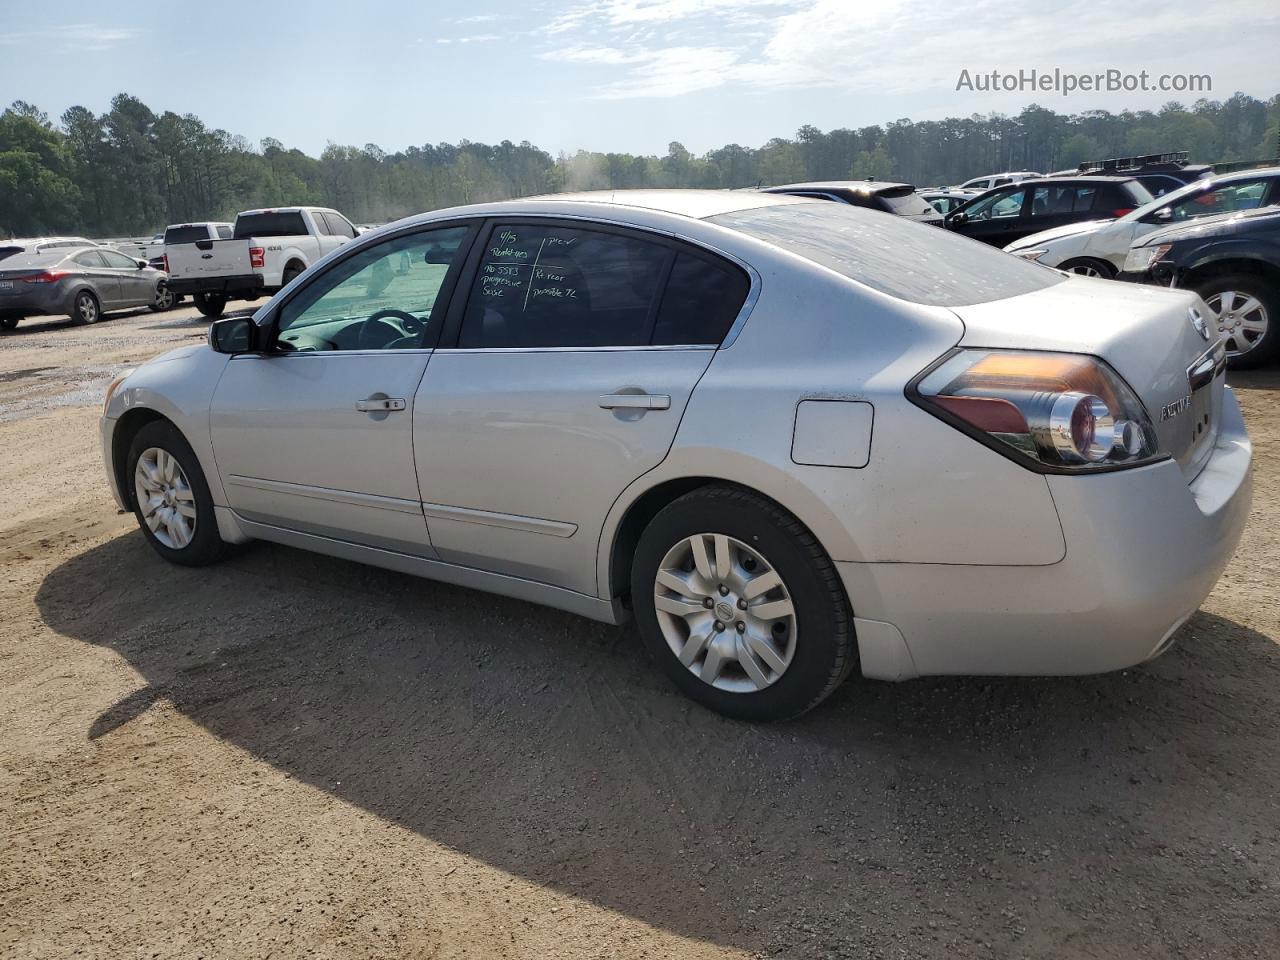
<point x="85" y="308"/>
<point x="289" y="274"/>
<point x="9" y="323"/>
<point x="210" y="304"/>
<point x="1244" y="309"/>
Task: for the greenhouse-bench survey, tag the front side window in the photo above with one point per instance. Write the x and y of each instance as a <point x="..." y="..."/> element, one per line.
<point x="541" y="285"/>
<point x="1004" y="205"/>
<point x="337" y="225"/>
<point x="1245" y="195"/>
<point x="381" y="298"/>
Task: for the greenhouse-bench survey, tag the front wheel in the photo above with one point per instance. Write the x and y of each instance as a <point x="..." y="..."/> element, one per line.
<point x="1243" y="311"/>
<point x="165" y="299"/>
<point x="210" y="304"/>
<point x="741" y="606"/>
<point x="85" y="308"/>
<point x="9" y="323"/>
<point x="1089" y="267"/>
<point x="171" y="497"/>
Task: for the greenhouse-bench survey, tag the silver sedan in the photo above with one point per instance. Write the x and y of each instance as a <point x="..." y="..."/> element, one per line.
<point x="793" y="439"/>
<point x="83" y="283"/>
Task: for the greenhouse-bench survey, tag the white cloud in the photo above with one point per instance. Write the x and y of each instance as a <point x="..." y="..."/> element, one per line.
<point x="82" y="36"/>
<point x="477" y="38"/>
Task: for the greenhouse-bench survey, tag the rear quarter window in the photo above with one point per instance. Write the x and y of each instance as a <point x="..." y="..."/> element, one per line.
<point x="271" y="224"/>
<point x="911" y="261"/>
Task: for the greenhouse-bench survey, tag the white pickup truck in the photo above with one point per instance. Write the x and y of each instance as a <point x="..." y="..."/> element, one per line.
<point x="267" y="249"/>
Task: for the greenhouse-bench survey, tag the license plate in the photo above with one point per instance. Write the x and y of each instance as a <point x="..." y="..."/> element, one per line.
<point x="6" y="286"/>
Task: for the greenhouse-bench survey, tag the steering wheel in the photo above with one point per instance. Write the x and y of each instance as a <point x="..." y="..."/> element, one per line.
<point x="376" y="333"/>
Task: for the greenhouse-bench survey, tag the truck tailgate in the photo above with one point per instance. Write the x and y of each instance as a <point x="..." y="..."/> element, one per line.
<point x="208" y="258"/>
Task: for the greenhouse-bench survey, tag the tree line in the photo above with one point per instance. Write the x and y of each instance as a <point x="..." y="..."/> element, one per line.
<point x="132" y="171"/>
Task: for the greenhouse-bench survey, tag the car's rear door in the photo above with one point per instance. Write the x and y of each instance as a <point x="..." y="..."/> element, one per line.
<point x="577" y="347"/>
<point x="317" y="435"/>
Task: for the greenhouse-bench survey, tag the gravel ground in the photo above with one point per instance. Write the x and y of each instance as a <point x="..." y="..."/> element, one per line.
<point x="288" y="756"/>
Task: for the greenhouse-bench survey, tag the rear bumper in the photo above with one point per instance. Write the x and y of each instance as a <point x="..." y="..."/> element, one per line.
<point x="247" y="283"/>
<point x="38" y="300"/>
<point x="1144" y="548"/>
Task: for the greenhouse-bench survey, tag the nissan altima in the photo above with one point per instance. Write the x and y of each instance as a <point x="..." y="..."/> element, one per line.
<point x="792" y="439"/>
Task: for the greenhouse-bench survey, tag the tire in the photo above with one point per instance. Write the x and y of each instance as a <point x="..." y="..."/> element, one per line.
<point x="1089" y="267"/>
<point x="9" y="323"/>
<point x="210" y="304"/>
<point x="203" y="545"/>
<point x="812" y="650"/>
<point x="289" y="274"/>
<point x="85" y="308"/>
<point x="166" y="299"/>
<point x="1243" y="353"/>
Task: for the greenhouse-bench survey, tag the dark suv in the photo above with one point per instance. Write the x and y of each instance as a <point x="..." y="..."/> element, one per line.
<point x="1233" y="262"/>
<point x="1006" y="214"/>
<point x="1160" y="173"/>
<point x="897" y="198"/>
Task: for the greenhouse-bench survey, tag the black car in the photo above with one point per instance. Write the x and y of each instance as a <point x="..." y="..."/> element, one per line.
<point x="1233" y="262"/>
<point x="898" y="198"/>
<point x="1160" y="173"/>
<point x="1005" y="214"/>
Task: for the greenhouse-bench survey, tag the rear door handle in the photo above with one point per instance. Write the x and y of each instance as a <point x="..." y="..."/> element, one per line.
<point x="635" y="401"/>
<point x="380" y="404"/>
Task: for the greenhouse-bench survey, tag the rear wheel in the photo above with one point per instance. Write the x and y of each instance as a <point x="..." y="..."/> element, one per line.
<point x="210" y="304"/>
<point x="289" y="274"/>
<point x="165" y="299"/>
<point x="1243" y="310"/>
<point x="85" y="308"/>
<point x="741" y="606"/>
<point x="1089" y="267"/>
<point x="171" y="497"/>
<point x="9" y="323"/>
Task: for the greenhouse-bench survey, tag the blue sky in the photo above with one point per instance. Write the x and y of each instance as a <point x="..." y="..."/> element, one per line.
<point x="627" y="75"/>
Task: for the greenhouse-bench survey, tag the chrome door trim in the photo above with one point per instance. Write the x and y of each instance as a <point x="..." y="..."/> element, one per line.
<point x="606" y="611"/>
<point x="646" y="347"/>
<point x="508" y="521"/>
<point x="350" y="497"/>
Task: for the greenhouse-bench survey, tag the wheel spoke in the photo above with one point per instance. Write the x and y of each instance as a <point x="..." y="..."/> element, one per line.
<point x="1227" y="300"/>
<point x="682" y="586"/>
<point x="761" y="584"/>
<point x="773" y="609"/>
<point x="713" y="664"/>
<point x="186" y="509"/>
<point x="766" y="652"/>
<point x="701" y="562"/>
<point x="1260" y="325"/>
<point x="696" y="643"/>
<point x="678" y="606"/>
<point x="724" y="562"/>
<point x="752" y="667"/>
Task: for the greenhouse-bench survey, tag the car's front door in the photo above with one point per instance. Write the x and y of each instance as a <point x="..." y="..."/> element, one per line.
<point x="316" y="435"/>
<point x="106" y="285"/>
<point x="136" y="285"/>
<point x="996" y="218"/>
<point x="577" y="348"/>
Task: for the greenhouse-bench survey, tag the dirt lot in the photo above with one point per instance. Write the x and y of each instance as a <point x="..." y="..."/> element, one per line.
<point x="289" y="756"/>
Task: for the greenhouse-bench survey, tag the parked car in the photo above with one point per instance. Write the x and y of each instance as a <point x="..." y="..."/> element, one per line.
<point x="1160" y="173"/>
<point x="1006" y="214"/>
<point x="661" y="404"/>
<point x="946" y="199"/>
<point x="999" y="179"/>
<point x="148" y="248"/>
<point x="1097" y="248"/>
<point x="1233" y="262"/>
<point x="267" y="250"/>
<point x="84" y="283"/>
<point x="896" y="198"/>
<point x="30" y="245"/>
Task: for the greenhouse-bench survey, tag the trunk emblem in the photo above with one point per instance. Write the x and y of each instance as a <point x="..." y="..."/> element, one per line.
<point x="1171" y="410"/>
<point x="1197" y="321"/>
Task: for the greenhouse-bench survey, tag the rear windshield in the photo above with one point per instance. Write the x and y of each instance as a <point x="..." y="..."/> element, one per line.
<point x="905" y="202"/>
<point x="273" y="224"/>
<point x="186" y="234"/>
<point x="910" y="261"/>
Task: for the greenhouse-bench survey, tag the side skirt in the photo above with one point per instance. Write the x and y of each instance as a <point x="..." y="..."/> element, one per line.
<point x="593" y="608"/>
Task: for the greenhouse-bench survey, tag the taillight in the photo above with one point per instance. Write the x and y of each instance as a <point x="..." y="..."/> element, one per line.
<point x="165" y="260"/>
<point x="1054" y="412"/>
<point x="257" y="257"/>
<point x="47" y="276"/>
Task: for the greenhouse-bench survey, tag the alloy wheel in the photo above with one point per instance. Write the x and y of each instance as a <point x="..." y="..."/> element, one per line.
<point x="1085" y="270"/>
<point x="87" y="308"/>
<point x="1239" y="318"/>
<point x="725" y="613"/>
<point x="165" y="498"/>
<point x="164" y="298"/>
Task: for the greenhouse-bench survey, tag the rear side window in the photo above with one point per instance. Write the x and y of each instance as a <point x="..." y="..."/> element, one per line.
<point x="118" y="261"/>
<point x="270" y="224"/>
<point x="892" y="255"/>
<point x="91" y="259"/>
<point x="700" y="303"/>
<point x="186" y="234"/>
<point x="552" y="286"/>
<point x="1056" y="199"/>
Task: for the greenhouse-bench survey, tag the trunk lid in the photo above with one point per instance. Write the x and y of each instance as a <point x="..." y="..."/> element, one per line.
<point x="1146" y="334"/>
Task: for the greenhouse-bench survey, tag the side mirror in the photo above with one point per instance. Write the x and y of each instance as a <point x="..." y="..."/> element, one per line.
<point x="959" y="217"/>
<point x="1164" y="213"/>
<point x="142" y="264"/>
<point x="233" y="335"/>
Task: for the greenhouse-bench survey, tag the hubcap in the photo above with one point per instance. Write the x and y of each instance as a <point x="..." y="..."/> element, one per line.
<point x="88" y="309"/>
<point x="1084" y="270"/>
<point x="166" y="498"/>
<point x="725" y="613"/>
<point x="1239" y="318"/>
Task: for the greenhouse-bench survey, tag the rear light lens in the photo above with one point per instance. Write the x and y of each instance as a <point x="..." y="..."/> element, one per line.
<point x="165" y="259"/>
<point x="1052" y="412"/>
<point x="257" y="257"/>
<point x="47" y="276"/>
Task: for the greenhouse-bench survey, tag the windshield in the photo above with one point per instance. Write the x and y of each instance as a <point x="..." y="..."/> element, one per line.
<point x="910" y="261"/>
<point x="907" y="203"/>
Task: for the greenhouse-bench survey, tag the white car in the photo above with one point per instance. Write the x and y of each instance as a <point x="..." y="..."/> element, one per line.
<point x="1097" y="248"/>
<point x="1000" y="179"/>
<point x="792" y="438"/>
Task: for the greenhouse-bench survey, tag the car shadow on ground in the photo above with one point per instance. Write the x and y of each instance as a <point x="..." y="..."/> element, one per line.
<point x="30" y="325"/>
<point x="1039" y="813"/>
<point x="1264" y="378"/>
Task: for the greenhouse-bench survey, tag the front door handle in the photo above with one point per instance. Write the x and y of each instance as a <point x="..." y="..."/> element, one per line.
<point x="380" y="404"/>
<point x="635" y="401"/>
